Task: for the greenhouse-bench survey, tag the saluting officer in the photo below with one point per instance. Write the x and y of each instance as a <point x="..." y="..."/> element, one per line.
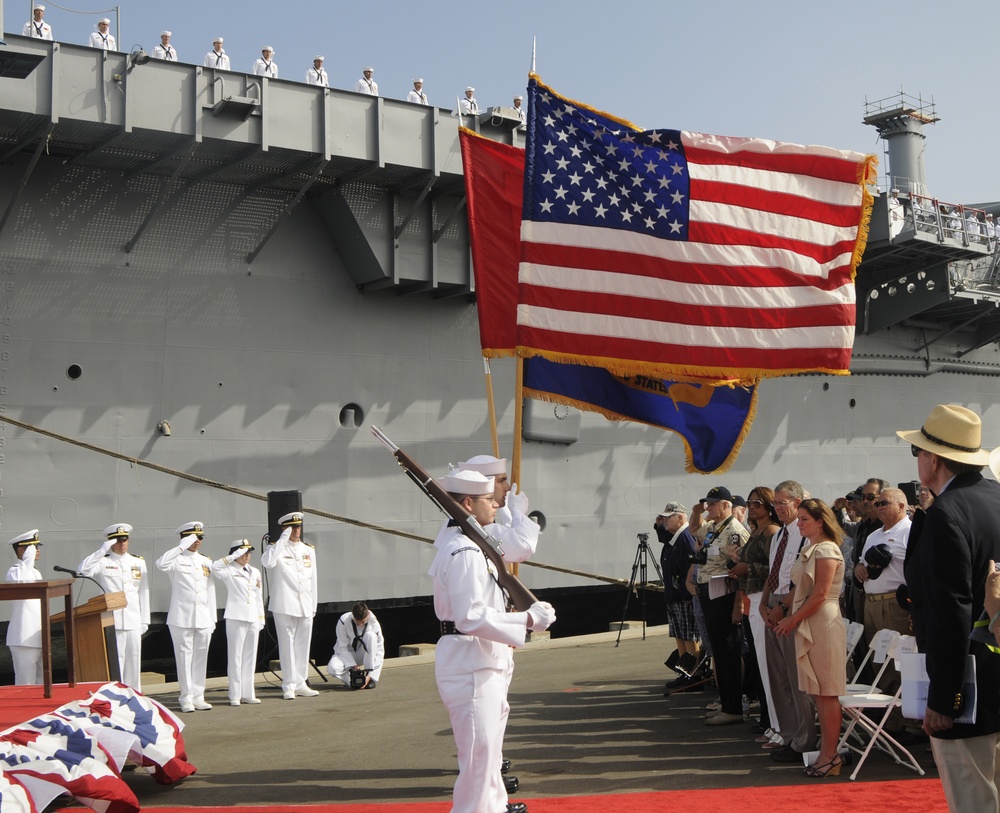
<point x="293" y="600"/>
<point x="192" y="615"/>
<point x="24" y="633"/>
<point x="244" y="618"/>
<point x="316" y="75"/>
<point x="122" y="572"/>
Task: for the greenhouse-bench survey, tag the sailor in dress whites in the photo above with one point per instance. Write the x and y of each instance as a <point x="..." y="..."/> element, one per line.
<point x="366" y="84"/>
<point x="359" y="646"/>
<point x="417" y="95"/>
<point x="24" y="632"/>
<point x="518" y="535"/>
<point x="217" y="57"/>
<point x="36" y="27"/>
<point x="244" y="618"/>
<point x="192" y="614"/>
<point x="316" y="75"/>
<point x="293" y="601"/>
<point x="265" y="65"/>
<point x="518" y="109"/>
<point x="101" y="38"/>
<point x="468" y="106"/>
<point x="122" y="572"/>
<point x="471" y="659"/>
<point x="165" y="50"/>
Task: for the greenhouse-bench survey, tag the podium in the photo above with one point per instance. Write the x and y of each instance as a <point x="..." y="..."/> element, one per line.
<point x="96" y="655"/>
<point x="45" y="591"/>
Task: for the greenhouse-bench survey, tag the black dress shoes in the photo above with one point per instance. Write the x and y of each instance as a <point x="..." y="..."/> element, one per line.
<point x="511" y="784"/>
<point x="786" y="754"/>
<point x="504" y="765"/>
<point x="517" y="807"/>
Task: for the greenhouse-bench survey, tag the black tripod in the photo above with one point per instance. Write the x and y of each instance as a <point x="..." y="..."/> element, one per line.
<point x="639" y="566"/>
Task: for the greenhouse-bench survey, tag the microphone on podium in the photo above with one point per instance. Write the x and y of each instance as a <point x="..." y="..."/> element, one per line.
<point x="75" y="575"/>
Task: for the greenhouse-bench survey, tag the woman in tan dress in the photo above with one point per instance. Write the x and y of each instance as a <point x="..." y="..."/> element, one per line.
<point x="820" y="640"/>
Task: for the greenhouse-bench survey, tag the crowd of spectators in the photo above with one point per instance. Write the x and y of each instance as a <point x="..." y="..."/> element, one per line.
<point x="264" y="65"/>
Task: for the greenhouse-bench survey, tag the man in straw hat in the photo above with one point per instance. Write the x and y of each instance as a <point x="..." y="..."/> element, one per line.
<point x="947" y="562"/>
<point x="122" y="572"/>
<point x="244" y="618"/>
<point x="24" y="632"/>
<point x="472" y="655"/>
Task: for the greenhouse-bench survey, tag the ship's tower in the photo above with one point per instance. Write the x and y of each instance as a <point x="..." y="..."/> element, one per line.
<point x="900" y="120"/>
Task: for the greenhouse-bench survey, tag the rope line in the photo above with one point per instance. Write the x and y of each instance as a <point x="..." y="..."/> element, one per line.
<point x="253" y="495"/>
<point x="74" y="11"/>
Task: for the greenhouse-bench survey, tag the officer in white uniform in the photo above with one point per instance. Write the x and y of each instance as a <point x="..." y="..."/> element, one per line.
<point x="265" y="65"/>
<point x="366" y="84"/>
<point x="518" y="535"/>
<point x="471" y="657"/>
<point x="24" y="632"/>
<point x="359" y="645"/>
<point x="192" y="614"/>
<point x="468" y="106"/>
<point x="122" y="572"/>
<point x="165" y="50"/>
<point x="417" y="95"/>
<point x="316" y="75"/>
<point x="293" y="600"/>
<point x="37" y="27"/>
<point x="101" y="38"/>
<point x="244" y="618"/>
<point x="217" y="57"/>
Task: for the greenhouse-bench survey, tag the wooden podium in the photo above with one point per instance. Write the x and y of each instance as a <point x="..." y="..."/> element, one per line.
<point x="96" y="656"/>
<point x="45" y="591"/>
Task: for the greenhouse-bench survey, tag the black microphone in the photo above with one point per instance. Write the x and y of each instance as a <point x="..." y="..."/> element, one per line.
<point x="76" y="575"/>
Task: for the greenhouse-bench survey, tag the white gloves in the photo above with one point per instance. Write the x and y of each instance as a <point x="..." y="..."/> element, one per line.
<point x="517" y="501"/>
<point x="108" y="544"/>
<point x="543" y="615"/>
<point x="30" y="554"/>
<point x="188" y="541"/>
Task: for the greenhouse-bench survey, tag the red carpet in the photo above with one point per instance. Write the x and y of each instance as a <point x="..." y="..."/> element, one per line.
<point x="833" y="796"/>
<point x="20" y="703"/>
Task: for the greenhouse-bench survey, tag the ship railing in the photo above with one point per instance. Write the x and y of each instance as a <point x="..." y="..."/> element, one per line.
<point x="952" y="222"/>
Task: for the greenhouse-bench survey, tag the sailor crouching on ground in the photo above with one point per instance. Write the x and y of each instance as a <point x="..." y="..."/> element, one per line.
<point x="24" y="632"/>
<point x="192" y="614"/>
<point x="122" y="572"/>
<point x="293" y="601"/>
<point x="244" y="618"/>
<point x="359" y="649"/>
<point x="471" y="658"/>
<point x="518" y="535"/>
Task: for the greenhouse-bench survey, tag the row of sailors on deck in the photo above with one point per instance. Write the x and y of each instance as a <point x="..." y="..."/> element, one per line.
<point x="262" y="66"/>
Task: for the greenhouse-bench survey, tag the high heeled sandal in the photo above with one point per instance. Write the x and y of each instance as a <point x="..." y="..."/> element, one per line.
<point x="831" y="768"/>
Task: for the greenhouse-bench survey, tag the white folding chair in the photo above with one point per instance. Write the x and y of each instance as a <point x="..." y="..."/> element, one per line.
<point x="854" y="632"/>
<point x="865" y="730"/>
<point x="880" y="645"/>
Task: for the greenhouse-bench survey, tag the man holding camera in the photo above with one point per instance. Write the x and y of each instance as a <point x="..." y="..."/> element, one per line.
<point x="717" y="594"/>
<point x="359" y="650"/>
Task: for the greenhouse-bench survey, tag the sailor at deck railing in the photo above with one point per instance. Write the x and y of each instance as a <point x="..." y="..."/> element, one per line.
<point x="468" y="106"/>
<point x="417" y="95"/>
<point x="217" y="57"/>
<point x="102" y="38"/>
<point x="366" y="84"/>
<point x="316" y="75"/>
<point x="36" y="27"/>
<point x="265" y="65"/>
<point x="165" y="50"/>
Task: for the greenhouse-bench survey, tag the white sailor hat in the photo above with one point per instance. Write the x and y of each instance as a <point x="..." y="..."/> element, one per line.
<point x="318" y="58"/>
<point x="989" y="215"/>
<point x="194" y="527"/>
<point x="38" y="6"/>
<point x="418" y="80"/>
<point x="118" y="531"/>
<point x="294" y="518"/>
<point x="519" y="98"/>
<point x="241" y="546"/>
<point x="29" y="538"/>
<point x="104" y="20"/>
<point x="367" y="69"/>
<point x="467" y="483"/>
<point x="218" y="40"/>
<point x="470" y="90"/>
<point x="485" y="464"/>
<point x="170" y="34"/>
<point x="267" y="48"/>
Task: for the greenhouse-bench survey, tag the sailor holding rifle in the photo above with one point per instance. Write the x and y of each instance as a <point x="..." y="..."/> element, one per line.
<point x="121" y="572"/>
<point x="473" y="652"/>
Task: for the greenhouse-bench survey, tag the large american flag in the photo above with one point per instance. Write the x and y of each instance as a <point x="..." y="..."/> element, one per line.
<point x="684" y="255"/>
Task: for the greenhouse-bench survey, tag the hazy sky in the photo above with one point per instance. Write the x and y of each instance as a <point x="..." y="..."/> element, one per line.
<point x="782" y="69"/>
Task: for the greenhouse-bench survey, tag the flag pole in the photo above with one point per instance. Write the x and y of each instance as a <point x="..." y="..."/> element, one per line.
<point x="515" y="458"/>
<point x="491" y="406"/>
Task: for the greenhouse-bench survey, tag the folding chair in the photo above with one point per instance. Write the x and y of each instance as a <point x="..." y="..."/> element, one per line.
<point x="854" y="632"/>
<point x="862" y="728"/>
<point x="883" y="641"/>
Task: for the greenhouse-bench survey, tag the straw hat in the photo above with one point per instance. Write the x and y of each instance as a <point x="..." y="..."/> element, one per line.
<point x="952" y="432"/>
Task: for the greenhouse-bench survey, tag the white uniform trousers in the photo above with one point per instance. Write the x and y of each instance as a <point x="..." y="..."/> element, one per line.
<point x="475" y="701"/>
<point x="341" y="669"/>
<point x="130" y="657"/>
<point x="759" y="630"/>
<point x="970" y="772"/>
<point x="241" y="642"/>
<point x="505" y="711"/>
<point x="191" y="655"/>
<point x="27" y="665"/>
<point x="294" y="635"/>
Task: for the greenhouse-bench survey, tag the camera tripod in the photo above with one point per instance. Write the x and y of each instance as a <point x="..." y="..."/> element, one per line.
<point x="639" y="566"/>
